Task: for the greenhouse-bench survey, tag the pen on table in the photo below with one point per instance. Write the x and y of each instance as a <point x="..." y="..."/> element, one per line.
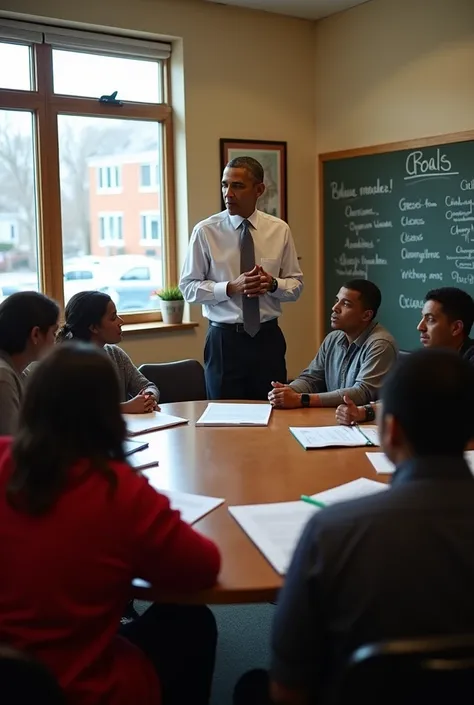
<point x="369" y="442"/>
<point x="310" y="500"/>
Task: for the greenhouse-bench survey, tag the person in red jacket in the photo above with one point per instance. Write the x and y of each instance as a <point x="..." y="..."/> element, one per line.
<point x="76" y="526"/>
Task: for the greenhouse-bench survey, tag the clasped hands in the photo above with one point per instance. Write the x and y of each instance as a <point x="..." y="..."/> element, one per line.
<point x="282" y="396"/>
<point x="143" y="403"/>
<point x="255" y="283"/>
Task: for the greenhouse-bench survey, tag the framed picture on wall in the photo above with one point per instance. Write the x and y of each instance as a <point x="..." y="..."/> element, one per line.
<point x="272" y="156"/>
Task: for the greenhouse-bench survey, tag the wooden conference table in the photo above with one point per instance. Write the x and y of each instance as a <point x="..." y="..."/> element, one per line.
<point x="246" y="466"/>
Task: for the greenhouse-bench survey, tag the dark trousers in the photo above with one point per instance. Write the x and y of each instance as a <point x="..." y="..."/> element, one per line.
<point x="240" y="367"/>
<point x="180" y="641"/>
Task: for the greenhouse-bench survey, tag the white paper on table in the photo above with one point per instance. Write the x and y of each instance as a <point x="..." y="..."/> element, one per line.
<point x="384" y="466"/>
<point x="275" y="528"/>
<point x="235" y="415"/>
<point x="153" y="421"/>
<point x="351" y="490"/>
<point x="339" y="436"/>
<point x="192" y="506"/>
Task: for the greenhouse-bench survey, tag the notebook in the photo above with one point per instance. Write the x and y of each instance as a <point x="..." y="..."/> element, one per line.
<point x="338" y="436"/>
<point x="143" y="460"/>
<point x="153" y="421"/>
<point x="130" y="446"/>
<point x="235" y="415"/>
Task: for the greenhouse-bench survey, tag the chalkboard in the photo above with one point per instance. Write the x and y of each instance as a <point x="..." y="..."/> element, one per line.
<point x="401" y="215"/>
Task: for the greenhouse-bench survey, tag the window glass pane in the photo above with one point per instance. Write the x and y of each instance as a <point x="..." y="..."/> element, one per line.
<point x="18" y="216"/>
<point x="94" y="75"/>
<point x="15" y="66"/>
<point x="104" y="229"/>
<point x="145" y="175"/>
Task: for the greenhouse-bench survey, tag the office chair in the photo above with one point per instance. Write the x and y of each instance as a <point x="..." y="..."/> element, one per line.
<point x="24" y="681"/>
<point x="182" y="380"/>
<point x="424" y="671"/>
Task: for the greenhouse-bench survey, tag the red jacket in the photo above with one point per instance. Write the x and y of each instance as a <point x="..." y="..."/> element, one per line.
<point x="66" y="577"/>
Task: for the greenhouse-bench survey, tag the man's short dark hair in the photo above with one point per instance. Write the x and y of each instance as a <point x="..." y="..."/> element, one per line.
<point x="430" y="393"/>
<point x="456" y="304"/>
<point x="19" y="314"/>
<point x="370" y="294"/>
<point x="249" y="163"/>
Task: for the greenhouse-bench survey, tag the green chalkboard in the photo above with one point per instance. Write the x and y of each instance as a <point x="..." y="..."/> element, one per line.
<point x="401" y="215"/>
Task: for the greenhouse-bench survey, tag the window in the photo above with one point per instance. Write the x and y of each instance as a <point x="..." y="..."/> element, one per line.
<point x="86" y="176"/>
<point x="149" y="176"/>
<point x="109" y="178"/>
<point x="150" y="228"/>
<point x="110" y="228"/>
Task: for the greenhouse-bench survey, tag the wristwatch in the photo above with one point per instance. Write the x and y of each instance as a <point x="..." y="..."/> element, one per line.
<point x="274" y="286"/>
<point x="305" y="400"/>
<point x="369" y="412"/>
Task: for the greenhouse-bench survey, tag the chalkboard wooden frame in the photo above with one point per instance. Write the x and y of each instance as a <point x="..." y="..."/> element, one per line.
<point x="417" y="143"/>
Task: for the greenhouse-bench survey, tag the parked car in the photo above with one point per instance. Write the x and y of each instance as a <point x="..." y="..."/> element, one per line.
<point x="130" y="280"/>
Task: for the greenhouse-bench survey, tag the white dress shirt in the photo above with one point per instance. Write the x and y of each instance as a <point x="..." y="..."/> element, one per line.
<point x="213" y="260"/>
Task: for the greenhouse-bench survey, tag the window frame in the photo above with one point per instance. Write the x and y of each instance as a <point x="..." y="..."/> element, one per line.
<point x="46" y="106"/>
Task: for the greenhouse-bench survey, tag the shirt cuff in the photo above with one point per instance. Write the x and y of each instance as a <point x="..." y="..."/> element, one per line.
<point x="301" y="386"/>
<point x="220" y="291"/>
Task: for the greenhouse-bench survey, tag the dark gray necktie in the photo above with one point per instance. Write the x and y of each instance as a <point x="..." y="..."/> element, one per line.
<point x="250" y="307"/>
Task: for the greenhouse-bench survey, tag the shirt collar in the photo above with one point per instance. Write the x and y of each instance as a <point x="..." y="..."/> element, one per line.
<point x="237" y="220"/>
<point x="360" y="340"/>
<point x="433" y="468"/>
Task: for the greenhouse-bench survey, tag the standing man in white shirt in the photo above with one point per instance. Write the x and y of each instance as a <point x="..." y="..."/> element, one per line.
<point x="241" y="266"/>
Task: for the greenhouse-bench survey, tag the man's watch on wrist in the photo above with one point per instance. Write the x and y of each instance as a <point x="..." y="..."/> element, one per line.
<point x="305" y="400"/>
<point x="369" y="412"/>
<point x="274" y="286"/>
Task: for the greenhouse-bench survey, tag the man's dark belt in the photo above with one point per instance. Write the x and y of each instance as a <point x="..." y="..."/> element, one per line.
<point x="239" y="327"/>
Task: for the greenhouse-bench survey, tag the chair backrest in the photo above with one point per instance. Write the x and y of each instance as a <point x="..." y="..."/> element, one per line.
<point x="425" y="671"/>
<point x="182" y="380"/>
<point x="24" y="681"/>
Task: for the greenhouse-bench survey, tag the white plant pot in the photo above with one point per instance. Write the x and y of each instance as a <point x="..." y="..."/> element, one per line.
<point x="172" y="311"/>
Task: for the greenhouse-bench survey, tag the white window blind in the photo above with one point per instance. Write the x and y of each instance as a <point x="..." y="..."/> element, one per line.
<point x="62" y="37"/>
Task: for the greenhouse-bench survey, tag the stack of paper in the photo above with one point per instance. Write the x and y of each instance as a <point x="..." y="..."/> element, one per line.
<point x="235" y="415"/>
<point x="276" y="528"/>
<point x="342" y="436"/>
<point x="130" y="446"/>
<point x="153" y="421"/>
<point x="384" y="466"/>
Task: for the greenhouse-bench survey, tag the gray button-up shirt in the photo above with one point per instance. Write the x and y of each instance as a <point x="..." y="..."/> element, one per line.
<point x="356" y="370"/>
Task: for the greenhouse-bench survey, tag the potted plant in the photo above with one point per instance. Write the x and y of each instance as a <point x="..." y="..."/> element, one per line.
<point x="171" y="304"/>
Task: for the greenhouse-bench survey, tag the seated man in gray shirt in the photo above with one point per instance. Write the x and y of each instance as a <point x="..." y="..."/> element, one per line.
<point x="353" y="359"/>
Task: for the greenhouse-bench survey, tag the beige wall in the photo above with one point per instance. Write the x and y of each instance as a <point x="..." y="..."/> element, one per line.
<point x="392" y="70"/>
<point x="246" y="75"/>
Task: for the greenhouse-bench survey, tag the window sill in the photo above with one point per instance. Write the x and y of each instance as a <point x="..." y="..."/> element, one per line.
<point x="155" y="327"/>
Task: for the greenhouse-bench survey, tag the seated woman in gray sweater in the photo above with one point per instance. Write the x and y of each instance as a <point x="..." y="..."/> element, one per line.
<point x="28" y="324"/>
<point x="91" y="316"/>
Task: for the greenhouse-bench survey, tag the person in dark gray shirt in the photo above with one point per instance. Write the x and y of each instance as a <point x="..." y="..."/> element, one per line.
<point x="353" y="359"/>
<point x="28" y="323"/>
<point x="394" y="565"/>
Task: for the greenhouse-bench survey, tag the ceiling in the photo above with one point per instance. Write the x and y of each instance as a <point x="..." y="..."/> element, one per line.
<point x="309" y="9"/>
